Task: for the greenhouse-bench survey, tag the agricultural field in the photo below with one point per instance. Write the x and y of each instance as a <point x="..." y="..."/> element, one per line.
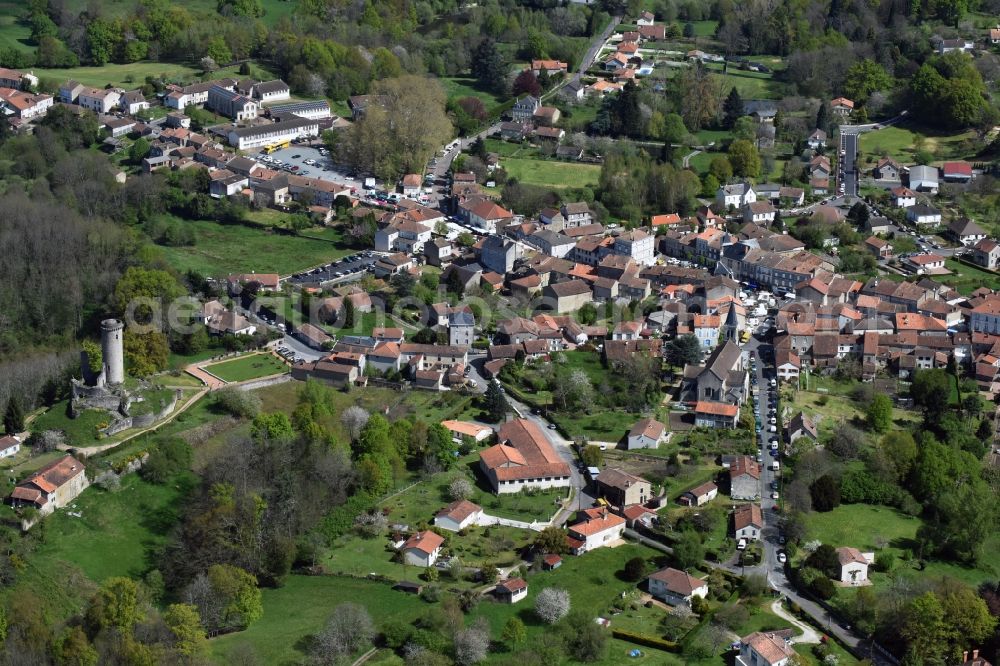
<point x="249" y="367"/>
<point x="551" y="174"/>
<point x="222" y="249"/>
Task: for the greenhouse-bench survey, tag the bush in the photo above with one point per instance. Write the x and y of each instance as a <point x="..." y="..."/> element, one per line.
<point x="241" y="404"/>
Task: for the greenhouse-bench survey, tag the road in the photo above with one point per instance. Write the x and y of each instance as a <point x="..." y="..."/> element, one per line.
<point x="595" y="48"/>
<point x="773" y="570"/>
<point x="849" y="163"/>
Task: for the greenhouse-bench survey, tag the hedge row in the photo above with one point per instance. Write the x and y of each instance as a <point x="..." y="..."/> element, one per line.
<point x="645" y="640"/>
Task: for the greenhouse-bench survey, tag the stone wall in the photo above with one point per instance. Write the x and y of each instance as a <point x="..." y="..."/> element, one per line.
<point x="143" y="420"/>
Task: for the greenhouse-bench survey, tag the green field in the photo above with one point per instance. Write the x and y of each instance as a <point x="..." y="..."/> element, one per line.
<point x="300" y="607"/>
<point x="840" y="528"/>
<point x="967" y="279"/>
<point x="899" y="142"/>
<point x="115" y="534"/>
<point x="222" y="249"/>
<point x="13" y="34"/>
<point x="556" y="175"/>
<point x="253" y="366"/>
<point x="751" y="85"/>
<point x="459" y="86"/>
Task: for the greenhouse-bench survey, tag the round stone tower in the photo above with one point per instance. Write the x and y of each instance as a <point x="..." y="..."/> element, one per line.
<point x="112" y="350"/>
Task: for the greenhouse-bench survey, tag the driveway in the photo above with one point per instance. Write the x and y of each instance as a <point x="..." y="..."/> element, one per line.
<point x="808" y="635"/>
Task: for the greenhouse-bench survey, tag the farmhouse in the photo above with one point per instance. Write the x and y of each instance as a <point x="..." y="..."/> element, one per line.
<point x="676" y="587"/>
<point x="760" y="649"/>
<point x="9" y="446"/>
<point x="699" y="495"/>
<point x="460" y="429"/>
<point x="422" y="549"/>
<point x="24" y="105"/>
<point x="458" y="515"/>
<point x="748" y="522"/>
<point x="524" y="458"/>
<point x="622" y="489"/>
<point x="646" y="434"/>
<point x="594" y="528"/>
<point x="52" y="487"/>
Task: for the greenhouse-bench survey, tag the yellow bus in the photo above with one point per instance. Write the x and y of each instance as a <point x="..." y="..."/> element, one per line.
<point x="276" y="146"/>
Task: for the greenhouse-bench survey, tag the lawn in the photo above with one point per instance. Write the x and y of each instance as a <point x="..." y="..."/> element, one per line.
<point x="14" y="35"/>
<point x="81" y="431"/>
<point x="967" y="279"/>
<point x="244" y="368"/>
<point x="900" y="141"/>
<point x="551" y="174"/>
<point x="458" y="86"/>
<point x="129" y="75"/>
<point x="221" y="249"/>
<point x="300" y="607"/>
<point x="751" y="85"/>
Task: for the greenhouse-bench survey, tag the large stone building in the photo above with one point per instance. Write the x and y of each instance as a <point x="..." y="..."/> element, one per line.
<point x="524" y="458"/>
<point x="52" y="487"/>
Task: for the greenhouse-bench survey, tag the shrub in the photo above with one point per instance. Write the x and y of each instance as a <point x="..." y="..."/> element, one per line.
<point x="644" y="639"/>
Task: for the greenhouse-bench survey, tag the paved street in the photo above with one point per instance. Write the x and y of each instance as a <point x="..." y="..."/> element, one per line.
<point x="849" y="167"/>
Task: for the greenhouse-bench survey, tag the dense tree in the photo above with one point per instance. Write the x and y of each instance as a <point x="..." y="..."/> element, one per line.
<point x="955" y="87"/>
<point x="930" y="391"/>
<point x="732" y="109"/>
<point x="495" y="402"/>
<point x="348" y="629"/>
<point x="689" y="551"/>
<point x="879" y="413"/>
<point x="635" y="569"/>
<point x="864" y="78"/>
<point x="551" y="540"/>
<point x="185" y="624"/>
<point x="489" y="66"/>
<point x="825" y="493"/>
<point x="745" y="158"/>
<point x="683" y="350"/>
<point x="514" y="632"/>
<point x="526" y="83"/>
<point x="586" y="641"/>
<point x="13" y="417"/>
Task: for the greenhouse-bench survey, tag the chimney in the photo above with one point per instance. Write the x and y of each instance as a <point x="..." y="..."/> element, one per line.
<point x="965" y="656"/>
<point x="975" y="654"/>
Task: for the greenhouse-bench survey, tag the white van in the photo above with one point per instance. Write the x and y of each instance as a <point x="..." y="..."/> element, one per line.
<point x="775" y="466"/>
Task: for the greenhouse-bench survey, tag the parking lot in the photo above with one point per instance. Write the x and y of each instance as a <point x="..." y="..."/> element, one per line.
<point x="347" y="268"/>
<point x="311" y="162"/>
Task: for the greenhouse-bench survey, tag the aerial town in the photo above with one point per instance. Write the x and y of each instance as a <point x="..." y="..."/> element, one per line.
<point x="450" y="333"/>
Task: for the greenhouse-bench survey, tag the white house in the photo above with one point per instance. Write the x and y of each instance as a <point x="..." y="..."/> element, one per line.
<point x="594" y="528"/>
<point x="458" y="515"/>
<point x="511" y="590"/>
<point x="646" y="434"/>
<point x="99" y="100"/>
<point x="923" y="215"/>
<point x="854" y="565"/>
<point x="422" y="549"/>
<point x="736" y="195"/>
<point x="9" y="446"/>
<point x="646" y="18"/>
<point x="985" y="317"/>
<point x="903" y="197"/>
<point x="676" y="587"/>
<point x="524" y="458"/>
<point x="759" y="212"/>
<point x="706" y="329"/>
<point x="699" y="495"/>
<point x="638" y="245"/>
<point x="764" y="649"/>
<point x="748" y="522"/>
